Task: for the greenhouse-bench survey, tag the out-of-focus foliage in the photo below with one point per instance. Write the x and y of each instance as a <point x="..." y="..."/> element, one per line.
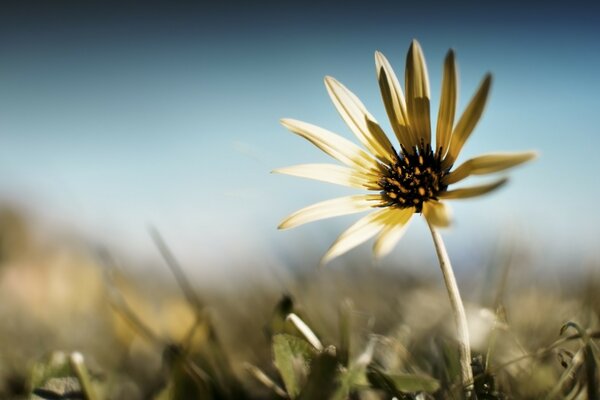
<point x="352" y="333"/>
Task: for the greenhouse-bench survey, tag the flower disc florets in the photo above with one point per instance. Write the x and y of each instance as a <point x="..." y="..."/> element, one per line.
<point x="413" y="179"/>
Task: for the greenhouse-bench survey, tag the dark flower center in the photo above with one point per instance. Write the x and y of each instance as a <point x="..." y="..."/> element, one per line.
<point x="413" y="179"/>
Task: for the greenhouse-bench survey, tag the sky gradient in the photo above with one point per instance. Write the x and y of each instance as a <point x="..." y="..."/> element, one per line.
<point x="114" y="116"/>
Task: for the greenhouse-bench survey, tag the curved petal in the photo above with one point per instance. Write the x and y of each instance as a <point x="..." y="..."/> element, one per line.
<point x="394" y="102"/>
<point x="361" y="231"/>
<point x="417" y="94"/>
<point x="331" y="173"/>
<point x="331" y="208"/>
<point x="467" y="121"/>
<point x="357" y="118"/>
<point x="336" y="146"/>
<point x="393" y="232"/>
<point x="437" y="213"/>
<point x="473" y="191"/>
<point x="448" y="102"/>
<point x="488" y="164"/>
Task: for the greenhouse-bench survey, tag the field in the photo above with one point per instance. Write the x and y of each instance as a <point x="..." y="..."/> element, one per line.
<point x="76" y="322"/>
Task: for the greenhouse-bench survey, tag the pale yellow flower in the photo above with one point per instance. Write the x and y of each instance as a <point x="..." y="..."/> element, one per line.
<point x="401" y="182"/>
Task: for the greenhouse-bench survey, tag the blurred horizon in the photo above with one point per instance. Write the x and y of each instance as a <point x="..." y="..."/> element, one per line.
<point x="115" y="116"/>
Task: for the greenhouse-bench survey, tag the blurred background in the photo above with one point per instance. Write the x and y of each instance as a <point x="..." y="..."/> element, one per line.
<point x="117" y="116"/>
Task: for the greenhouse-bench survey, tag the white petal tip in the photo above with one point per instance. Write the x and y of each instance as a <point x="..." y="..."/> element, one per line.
<point x="77" y="357"/>
<point x="330" y="80"/>
<point x="378" y="255"/>
<point x="380" y="61"/>
<point x="327" y="258"/>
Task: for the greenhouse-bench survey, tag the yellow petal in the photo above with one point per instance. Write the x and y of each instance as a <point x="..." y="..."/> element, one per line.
<point x="488" y="164"/>
<point x="437" y="213"/>
<point x="361" y="231"/>
<point x="336" y="146"/>
<point x="473" y="191"/>
<point x="393" y="232"/>
<point x="417" y="94"/>
<point x="356" y="116"/>
<point x="467" y="121"/>
<point x="331" y="208"/>
<point x="331" y="173"/>
<point x="394" y="102"/>
<point x="448" y="102"/>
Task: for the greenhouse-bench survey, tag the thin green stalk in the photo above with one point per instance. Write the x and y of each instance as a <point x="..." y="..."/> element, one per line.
<point x="83" y="375"/>
<point x="458" y="311"/>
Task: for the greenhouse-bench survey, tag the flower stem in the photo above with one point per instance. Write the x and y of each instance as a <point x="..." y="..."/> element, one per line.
<point x="458" y="311"/>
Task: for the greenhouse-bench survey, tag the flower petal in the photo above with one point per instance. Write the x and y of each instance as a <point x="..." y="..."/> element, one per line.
<point x="447" y="110"/>
<point x="437" y="213"/>
<point x="357" y="117"/>
<point x="331" y="173"/>
<point x="473" y="191"/>
<point x="467" y="121"/>
<point x="393" y="232"/>
<point x="331" y="208"/>
<point x="361" y="231"/>
<point x="488" y="164"/>
<point x="394" y="102"/>
<point x="417" y="94"/>
<point x="336" y="146"/>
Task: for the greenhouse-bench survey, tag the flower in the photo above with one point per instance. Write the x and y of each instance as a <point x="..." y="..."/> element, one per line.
<point x="411" y="179"/>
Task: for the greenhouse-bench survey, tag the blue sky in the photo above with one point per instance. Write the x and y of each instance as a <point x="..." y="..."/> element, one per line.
<point x="115" y="116"/>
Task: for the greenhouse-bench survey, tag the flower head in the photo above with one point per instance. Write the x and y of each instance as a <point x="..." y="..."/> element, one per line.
<point x="411" y="178"/>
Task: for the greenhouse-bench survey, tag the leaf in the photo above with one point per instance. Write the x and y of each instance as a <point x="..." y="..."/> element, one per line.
<point x="292" y="356"/>
<point x="406" y="383"/>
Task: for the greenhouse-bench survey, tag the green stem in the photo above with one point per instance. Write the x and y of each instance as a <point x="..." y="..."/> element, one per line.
<point x="83" y="375"/>
<point x="458" y="311"/>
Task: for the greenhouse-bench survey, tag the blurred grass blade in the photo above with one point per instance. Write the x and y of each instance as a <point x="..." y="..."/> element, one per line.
<point x="355" y="376"/>
<point x="176" y="269"/>
<point x="264" y="379"/>
<point x="345" y="327"/>
<point x="451" y="361"/>
<point x="121" y="307"/>
<point x="589" y="359"/>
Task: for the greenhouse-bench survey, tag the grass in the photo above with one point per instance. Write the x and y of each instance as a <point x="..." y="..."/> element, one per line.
<point x="69" y="327"/>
